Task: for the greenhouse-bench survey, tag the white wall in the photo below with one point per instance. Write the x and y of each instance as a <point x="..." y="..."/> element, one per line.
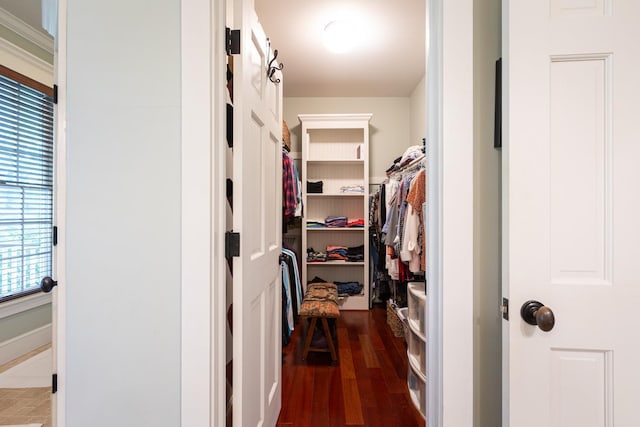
<point x="487" y="225"/>
<point x="123" y="213"/>
<point x="389" y="133"/>
<point x="418" y="109"/>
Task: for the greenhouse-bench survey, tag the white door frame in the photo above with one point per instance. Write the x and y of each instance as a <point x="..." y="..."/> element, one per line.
<point x="450" y="118"/>
<point x="203" y="367"/>
<point x="58" y="413"/>
<point x="434" y="202"/>
<point x="203" y="391"/>
<point x="450" y="152"/>
<point x="196" y="212"/>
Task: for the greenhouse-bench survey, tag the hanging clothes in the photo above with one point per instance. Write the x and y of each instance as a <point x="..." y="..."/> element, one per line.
<point x="291" y="189"/>
<point x="401" y="233"/>
<point x="415" y="242"/>
<point x="292" y="260"/>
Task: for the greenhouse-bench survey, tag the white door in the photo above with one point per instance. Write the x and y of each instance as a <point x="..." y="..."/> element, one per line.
<point x="257" y="216"/>
<point x="572" y="212"/>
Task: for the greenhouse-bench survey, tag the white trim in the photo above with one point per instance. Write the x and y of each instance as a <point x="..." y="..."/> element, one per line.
<point x="18" y="305"/>
<point x="218" y="178"/>
<point x="23" y="62"/>
<point x="26" y="31"/>
<point x="433" y="85"/>
<point x="59" y="338"/>
<point x="334" y="117"/>
<point x="23" y="344"/>
<point x="200" y="403"/>
<point x="505" y="217"/>
<point x="456" y="219"/>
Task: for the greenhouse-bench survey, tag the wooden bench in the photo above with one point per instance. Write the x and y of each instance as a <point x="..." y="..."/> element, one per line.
<point x="320" y="302"/>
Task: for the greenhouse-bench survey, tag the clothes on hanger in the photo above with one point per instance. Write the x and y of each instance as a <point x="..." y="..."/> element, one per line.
<point x="291" y="189"/>
<point x="396" y="221"/>
<point x="291" y="293"/>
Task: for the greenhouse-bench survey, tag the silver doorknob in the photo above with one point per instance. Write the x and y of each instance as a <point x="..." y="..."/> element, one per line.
<point x="535" y="313"/>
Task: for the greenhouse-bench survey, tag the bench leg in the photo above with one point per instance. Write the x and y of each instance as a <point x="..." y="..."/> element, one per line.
<point x="327" y="334"/>
<point x="307" y="341"/>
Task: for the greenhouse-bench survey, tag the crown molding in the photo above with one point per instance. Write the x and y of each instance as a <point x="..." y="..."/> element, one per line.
<point x="26" y="31"/>
<point x="23" y="62"/>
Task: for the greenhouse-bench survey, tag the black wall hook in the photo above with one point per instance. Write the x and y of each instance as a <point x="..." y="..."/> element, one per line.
<point x="271" y="69"/>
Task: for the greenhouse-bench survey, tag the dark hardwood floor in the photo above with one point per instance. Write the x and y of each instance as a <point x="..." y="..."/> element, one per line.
<point x="366" y="387"/>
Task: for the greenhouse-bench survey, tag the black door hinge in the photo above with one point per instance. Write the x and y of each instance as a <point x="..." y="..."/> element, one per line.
<point x="231" y="244"/>
<point x="54" y="383"/>
<point x="55" y="235"/>
<point x="504" y="308"/>
<point x="55" y="94"/>
<point x="232" y="41"/>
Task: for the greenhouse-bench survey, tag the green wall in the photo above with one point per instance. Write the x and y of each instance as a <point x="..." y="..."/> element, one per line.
<point x="21" y="323"/>
<point x="123" y="212"/>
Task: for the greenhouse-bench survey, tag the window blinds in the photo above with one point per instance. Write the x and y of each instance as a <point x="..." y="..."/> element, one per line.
<point x="26" y="187"/>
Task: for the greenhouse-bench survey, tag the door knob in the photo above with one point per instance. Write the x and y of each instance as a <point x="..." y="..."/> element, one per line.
<point x="535" y="313"/>
<point x="47" y="283"/>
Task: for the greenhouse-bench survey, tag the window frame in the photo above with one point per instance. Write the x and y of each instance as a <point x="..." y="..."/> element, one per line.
<point x="48" y="91"/>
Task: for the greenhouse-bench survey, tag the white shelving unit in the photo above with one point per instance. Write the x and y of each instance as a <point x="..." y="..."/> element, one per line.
<point x="416" y="348"/>
<point x="335" y="150"/>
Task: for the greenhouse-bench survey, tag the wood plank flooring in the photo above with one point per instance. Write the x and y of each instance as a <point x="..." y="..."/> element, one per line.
<point x="367" y="387"/>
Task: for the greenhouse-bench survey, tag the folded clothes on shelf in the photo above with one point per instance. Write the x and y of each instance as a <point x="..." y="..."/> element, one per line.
<point x="314" y="186"/>
<point x="355" y="254"/>
<point x="349" y="288"/>
<point x="355" y="189"/>
<point x="356" y="223"/>
<point x="344" y="288"/>
<point x="337" y="252"/>
<point x="313" y="256"/>
<point x="315" y="224"/>
<point x="336" y="221"/>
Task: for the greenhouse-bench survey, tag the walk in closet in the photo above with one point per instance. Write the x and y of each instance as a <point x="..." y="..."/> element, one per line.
<point x="336" y="142"/>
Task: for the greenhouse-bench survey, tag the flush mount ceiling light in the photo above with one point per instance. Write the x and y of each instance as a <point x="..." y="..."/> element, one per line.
<point x="340" y="36"/>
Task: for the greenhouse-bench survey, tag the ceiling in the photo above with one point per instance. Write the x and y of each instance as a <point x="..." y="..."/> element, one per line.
<point x="390" y="60"/>
<point x="30" y="11"/>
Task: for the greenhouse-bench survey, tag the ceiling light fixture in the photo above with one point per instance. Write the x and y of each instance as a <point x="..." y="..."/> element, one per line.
<point x="340" y="36"/>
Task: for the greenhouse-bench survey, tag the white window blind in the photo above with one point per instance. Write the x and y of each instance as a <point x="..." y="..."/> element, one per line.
<point x="26" y="184"/>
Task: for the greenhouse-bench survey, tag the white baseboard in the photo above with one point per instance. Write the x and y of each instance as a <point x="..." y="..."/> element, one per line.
<point x="23" y="344"/>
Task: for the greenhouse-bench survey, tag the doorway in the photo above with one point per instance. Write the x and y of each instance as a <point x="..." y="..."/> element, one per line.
<point x="394" y="112"/>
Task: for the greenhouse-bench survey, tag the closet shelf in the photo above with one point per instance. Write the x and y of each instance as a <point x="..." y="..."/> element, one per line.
<point x="311" y="195"/>
<point x="326" y="229"/>
<point x="336" y="161"/>
<point x="336" y="263"/>
<point x="335" y="152"/>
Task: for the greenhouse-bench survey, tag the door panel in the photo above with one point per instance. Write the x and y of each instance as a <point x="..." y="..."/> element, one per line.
<point x="572" y="210"/>
<point x="257" y="216"/>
